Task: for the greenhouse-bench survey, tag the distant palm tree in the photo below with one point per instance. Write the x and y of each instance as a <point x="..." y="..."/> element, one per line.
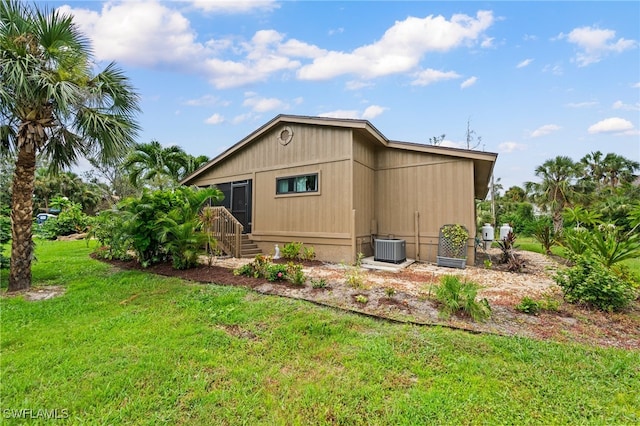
<point x="618" y="169"/>
<point x="592" y="168"/>
<point x="609" y="170"/>
<point x="152" y="165"/>
<point x="556" y="189"/>
<point x="193" y="164"/>
<point x="53" y="106"/>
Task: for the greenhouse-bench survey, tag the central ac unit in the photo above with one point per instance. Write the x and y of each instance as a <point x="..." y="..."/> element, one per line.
<point x="390" y="250"/>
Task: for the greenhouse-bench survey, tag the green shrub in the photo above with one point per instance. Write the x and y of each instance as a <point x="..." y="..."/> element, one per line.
<point x="276" y="272"/>
<point x="458" y="296"/>
<point x="589" y="282"/>
<point x="319" y="283"/>
<point x="5" y="226"/>
<point x="247" y="270"/>
<point x="158" y="226"/>
<point x="529" y="306"/>
<point x="361" y="298"/>
<point x="308" y="253"/>
<point x="4" y="261"/>
<point x="108" y="228"/>
<point x="542" y="231"/>
<point x="258" y="268"/>
<point x="532" y="306"/>
<point x="295" y="274"/>
<point x="611" y="245"/>
<point x="262" y="267"/>
<point x="576" y="240"/>
<point x="291" y="250"/>
<point x="71" y="220"/>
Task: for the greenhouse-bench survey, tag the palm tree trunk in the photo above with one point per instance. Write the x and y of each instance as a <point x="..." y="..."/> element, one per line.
<point x="558" y="221"/>
<point x="22" y="219"/>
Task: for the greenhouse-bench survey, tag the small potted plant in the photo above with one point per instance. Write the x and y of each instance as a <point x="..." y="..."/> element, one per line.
<point x="452" y="249"/>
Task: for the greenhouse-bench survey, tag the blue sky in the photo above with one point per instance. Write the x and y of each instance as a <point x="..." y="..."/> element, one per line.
<point x="534" y="79"/>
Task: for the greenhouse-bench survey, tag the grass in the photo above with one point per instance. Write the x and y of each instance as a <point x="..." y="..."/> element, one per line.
<point x="126" y="347"/>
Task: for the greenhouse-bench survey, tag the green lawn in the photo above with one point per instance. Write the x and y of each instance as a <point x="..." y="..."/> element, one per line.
<point x="124" y="347"/>
<point x="530" y="244"/>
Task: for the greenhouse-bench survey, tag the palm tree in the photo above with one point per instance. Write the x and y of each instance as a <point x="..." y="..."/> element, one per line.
<point x="556" y="190"/>
<point x="618" y="169"/>
<point x="592" y="167"/>
<point x="154" y="166"/>
<point x="193" y="164"/>
<point x="53" y="106"/>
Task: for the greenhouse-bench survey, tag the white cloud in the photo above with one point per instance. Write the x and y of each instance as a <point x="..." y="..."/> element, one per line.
<point x="235" y="6"/>
<point x="336" y="31"/>
<point x="636" y="86"/>
<point x="143" y="33"/>
<point x="148" y="33"/>
<point x="612" y="125"/>
<point x="595" y="43"/>
<point x="401" y="47"/>
<point x="622" y="105"/>
<point x="468" y="82"/>
<point x="507" y="147"/>
<point x="241" y="118"/>
<point x="429" y="76"/>
<point x="215" y="119"/>
<point x="487" y="42"/>
<point x="373" y="111"/>
<point x="341" y="113"/>
<point x="545" y="130"/>
<point x="453" y="144"/>
<point x="553" y="69"/>
<point x="370" y="112"/>
<point x="259" y="104"/>
<point x="524" y="63"/>
<point x="581" y="104"/>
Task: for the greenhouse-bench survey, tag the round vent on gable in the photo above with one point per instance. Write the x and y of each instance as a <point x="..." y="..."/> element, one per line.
<point x="285" y="135"/>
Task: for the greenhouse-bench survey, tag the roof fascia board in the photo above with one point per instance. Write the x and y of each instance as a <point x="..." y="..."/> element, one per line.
<point x="441" y="150"/>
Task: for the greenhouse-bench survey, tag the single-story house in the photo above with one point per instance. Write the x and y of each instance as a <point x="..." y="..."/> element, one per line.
<point x="339" y="184"/>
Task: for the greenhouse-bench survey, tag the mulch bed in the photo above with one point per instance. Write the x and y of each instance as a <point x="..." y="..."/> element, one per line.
<point x="570" y="324"/>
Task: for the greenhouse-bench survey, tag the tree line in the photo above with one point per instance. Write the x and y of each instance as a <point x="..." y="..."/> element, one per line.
<point x="603" y="183"/>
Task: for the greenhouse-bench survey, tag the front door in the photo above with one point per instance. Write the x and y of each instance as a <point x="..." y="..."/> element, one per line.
<point x="241" y="203"/>
<point x="237" y="199"/>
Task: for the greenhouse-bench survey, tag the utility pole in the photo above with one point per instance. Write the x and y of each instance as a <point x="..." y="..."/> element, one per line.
<point x="493" y="201"/>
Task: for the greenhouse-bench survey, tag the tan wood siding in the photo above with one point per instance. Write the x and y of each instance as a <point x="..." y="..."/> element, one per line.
<point x="327" y="211"/>
<point x="363" y="193"/>
<point x="310" y="144"/>
<point x="439" y="188"/>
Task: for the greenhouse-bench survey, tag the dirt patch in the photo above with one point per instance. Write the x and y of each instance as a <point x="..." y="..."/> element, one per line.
<point x="412" y="300"/>
<point x="35" y="294"/>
